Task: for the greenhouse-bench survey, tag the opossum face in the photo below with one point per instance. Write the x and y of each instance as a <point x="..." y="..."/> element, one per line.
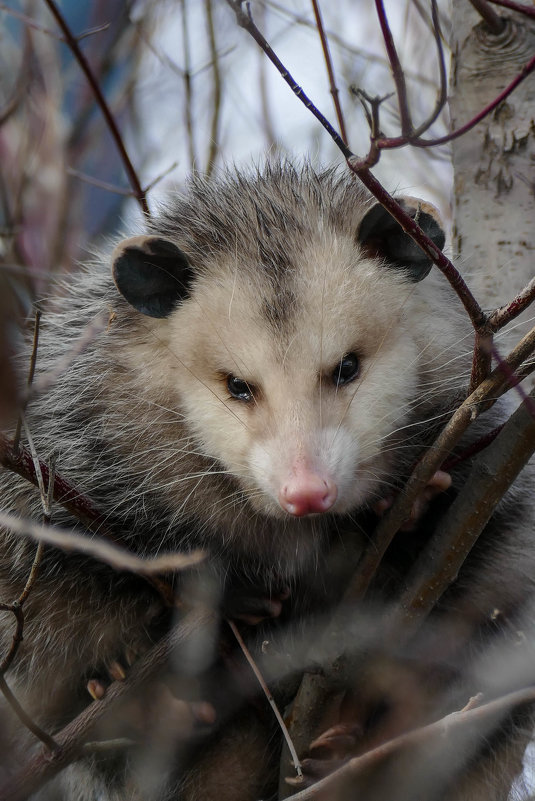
<point x="298" y="385"/>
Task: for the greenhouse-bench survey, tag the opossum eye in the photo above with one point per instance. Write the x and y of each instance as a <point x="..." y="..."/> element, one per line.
<point x="347" y="369"/>
<point x="239" y="389"/>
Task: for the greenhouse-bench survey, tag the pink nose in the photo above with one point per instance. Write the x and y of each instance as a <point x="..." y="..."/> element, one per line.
<point x="307" y="493"/>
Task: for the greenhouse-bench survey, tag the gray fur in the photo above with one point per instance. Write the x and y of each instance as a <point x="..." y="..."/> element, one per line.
<point x="124" y="443"/>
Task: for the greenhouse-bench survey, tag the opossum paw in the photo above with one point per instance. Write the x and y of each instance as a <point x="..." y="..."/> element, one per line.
<point x="439" y="482"/>
<point x="114" y="671"/>
<point x="328" y="753"/>
<point x="337" y="742"/>
<point x="253" y="608"/>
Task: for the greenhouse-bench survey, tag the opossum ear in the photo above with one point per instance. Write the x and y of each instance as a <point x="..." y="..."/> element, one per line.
<point x="381" y="235"/>
<point x="152" y="274"/>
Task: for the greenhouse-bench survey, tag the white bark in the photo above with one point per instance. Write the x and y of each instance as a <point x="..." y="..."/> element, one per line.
<point x="494" y="191"/>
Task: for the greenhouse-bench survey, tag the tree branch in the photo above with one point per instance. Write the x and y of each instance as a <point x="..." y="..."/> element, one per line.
<point x="74" y="46"/>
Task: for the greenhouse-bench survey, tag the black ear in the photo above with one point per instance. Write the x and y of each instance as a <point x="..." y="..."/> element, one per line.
<point x="381" y="235"/>
<point x="152" y="274"/>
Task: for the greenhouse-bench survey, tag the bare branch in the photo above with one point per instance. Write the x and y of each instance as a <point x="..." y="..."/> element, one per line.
<point x="216" y="100"/>
<point x="446" y="727"/>
<point x="31" y="373"/>
<point x="269" y="696"/>
<point x="397" y="71"/>
<point x="330" y="71"/>
<point x="494" y="23"/>
<point x="506" y="313"/>
<point x="459" y="529"/>
<point x="101" y="101"/>
<point x="98" y="548"/>
<point x="44" y="765"/>
<point x="245" y="21"/>
<point x="487" y="392"/>
<point x="528" y="11"/>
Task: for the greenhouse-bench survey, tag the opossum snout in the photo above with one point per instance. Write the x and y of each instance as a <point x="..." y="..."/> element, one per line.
<point x="307" y="492"/>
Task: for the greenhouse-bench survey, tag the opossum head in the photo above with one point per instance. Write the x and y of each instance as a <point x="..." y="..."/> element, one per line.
<point x="292" y="358"/>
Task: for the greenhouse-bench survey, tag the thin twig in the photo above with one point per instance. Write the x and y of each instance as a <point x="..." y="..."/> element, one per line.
<point x="506" y="313"/>
<point x="216" y="99"/>
<point x="103" y="105"/>
<point x="330" y="70"/>
<point x="50" y="743"/>
<point x="245" y="21"/>
<point x="443" y="77"/>
<point x="88" y="179"/>
<point x="269" y="696"/>
<point x="526" y="70"/>
<point x="188" y="88"/>
<point x="91" y="331"/>
<point x="397" y="71"/>
<point x="31" y="373"/>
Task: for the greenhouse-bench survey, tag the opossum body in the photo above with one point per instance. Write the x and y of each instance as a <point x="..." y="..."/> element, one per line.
<point x="270" y="364"/>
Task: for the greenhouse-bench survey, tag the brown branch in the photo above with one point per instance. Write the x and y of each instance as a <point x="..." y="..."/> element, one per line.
<point x="528" y="11"/>
<point x="443" y="77"/>
<point x="526" y="70"/>
<point x="493" y="21"/>
<point x="188" y="89"/>
<point x="459" y="529"/>
<point x="44" y="765"/>
<point x="64" y="492"/>
<point x="488" y="391"/>
<point x="216" y="100"/>
<point x="74" y="46"/>
<point x="446" y="727"/>
<point x="411" y="227"/>
<point x="31" y="373"/>
<point x="245" y="21"/>
<point x="506" y="313"/>
<point x="397" y="71"/>
<point x="117" y="557"/>
<point x="330" y="70"/>
<point x="50" y="744"/>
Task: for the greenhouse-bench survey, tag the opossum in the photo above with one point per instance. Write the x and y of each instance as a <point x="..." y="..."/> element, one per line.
<point x="277" y="352"/>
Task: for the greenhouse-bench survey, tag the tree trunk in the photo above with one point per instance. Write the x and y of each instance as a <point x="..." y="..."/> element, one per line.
<point x="494" y="203"/>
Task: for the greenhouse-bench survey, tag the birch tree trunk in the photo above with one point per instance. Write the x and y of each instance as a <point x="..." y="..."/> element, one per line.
<point x="494" y="181"/>
<point x="494" y="163"/>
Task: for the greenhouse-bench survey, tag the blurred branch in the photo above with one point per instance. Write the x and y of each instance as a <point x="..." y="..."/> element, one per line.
<point x="269" y="696"/>
<point x="70" y="741"/>
<point x="445" y="728"/>
<point x="188" y="88"/>
<point x="528" y="11"/>
<point x="31" y="372"/>
<point x="216" y="100"/>
<point x="107" y="552"/>
<point x="397" y="71"/>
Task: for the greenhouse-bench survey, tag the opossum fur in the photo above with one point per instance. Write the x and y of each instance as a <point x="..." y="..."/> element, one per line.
<point x="275" y="357"/>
